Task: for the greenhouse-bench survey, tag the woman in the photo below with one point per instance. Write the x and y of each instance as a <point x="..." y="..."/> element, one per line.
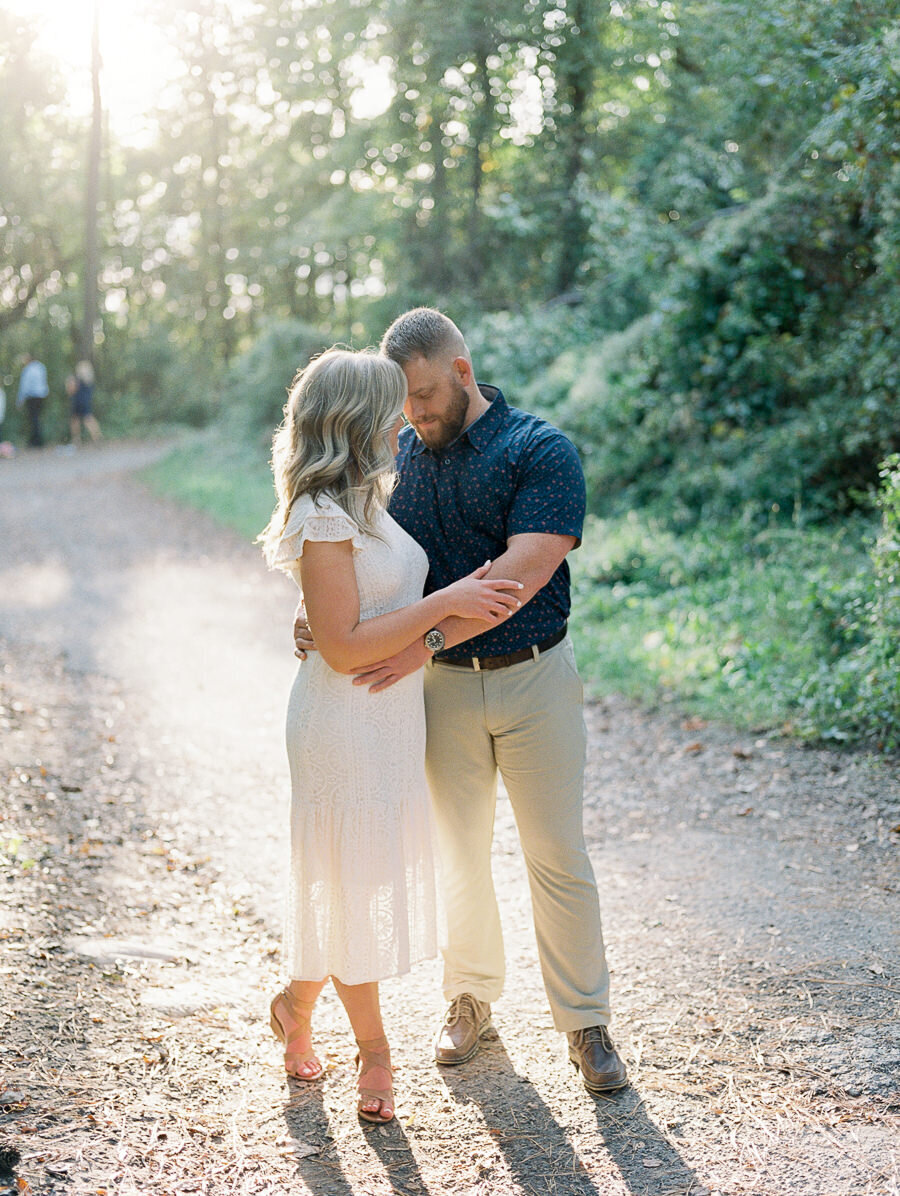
<point x="80" y="389"/>
<point x="362" y="904"/>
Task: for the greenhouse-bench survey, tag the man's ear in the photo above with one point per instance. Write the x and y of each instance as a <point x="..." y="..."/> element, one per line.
<point x="463" y="370"/>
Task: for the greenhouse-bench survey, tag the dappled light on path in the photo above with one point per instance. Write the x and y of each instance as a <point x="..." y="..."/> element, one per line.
<point x="747" y="885"/>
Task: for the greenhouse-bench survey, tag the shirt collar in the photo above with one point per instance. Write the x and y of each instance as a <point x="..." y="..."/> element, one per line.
<point x="483" y="429"/>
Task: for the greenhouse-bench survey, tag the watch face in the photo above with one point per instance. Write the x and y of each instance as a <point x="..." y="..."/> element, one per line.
<point x="434" y="640"/>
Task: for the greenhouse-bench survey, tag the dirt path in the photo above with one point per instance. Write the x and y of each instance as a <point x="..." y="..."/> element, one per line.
<point x="749" y="888"/>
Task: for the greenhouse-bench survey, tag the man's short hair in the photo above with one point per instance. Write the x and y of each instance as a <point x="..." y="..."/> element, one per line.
<point x="422" y="332"/>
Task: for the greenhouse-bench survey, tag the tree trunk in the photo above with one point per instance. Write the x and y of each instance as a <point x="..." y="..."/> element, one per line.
<point x="92" y="201"/>
<point x="575" y="83"/>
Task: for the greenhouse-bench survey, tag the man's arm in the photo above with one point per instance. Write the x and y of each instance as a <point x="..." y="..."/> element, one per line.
<point x="530" y="558"/>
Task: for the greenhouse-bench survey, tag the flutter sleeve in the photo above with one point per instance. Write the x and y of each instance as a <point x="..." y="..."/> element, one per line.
<point x="308" y="520"/>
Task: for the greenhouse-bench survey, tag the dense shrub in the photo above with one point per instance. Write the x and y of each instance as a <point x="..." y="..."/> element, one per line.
<point x="857" y="695"/>
<point x="152" y="378"/>
<point x="509" y="349"/>
<point x="766" y="370"/>
<point x="767" y="374"/>
<point x="258" y="380"/>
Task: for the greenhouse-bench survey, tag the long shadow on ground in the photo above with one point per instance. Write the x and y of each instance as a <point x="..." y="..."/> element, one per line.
<point x="537" y="1149"/>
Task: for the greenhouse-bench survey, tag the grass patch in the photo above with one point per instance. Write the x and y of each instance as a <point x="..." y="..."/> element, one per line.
<point x="222" y="472"/>
<point x="724" y="621"/>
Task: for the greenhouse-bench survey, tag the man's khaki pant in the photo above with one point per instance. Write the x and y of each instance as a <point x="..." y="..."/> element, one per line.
<point x="527" y="721"/>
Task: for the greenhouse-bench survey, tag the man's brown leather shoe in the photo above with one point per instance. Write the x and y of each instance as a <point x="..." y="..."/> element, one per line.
<point x="466" y="1021"/>
<point x="594" y="1055"/>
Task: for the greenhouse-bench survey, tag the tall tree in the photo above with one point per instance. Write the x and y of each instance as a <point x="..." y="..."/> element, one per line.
<point x="92" y="199"/>
<point x="572" y="44"/>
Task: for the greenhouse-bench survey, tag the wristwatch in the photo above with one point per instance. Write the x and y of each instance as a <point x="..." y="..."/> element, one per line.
<point x="434" y="640"/>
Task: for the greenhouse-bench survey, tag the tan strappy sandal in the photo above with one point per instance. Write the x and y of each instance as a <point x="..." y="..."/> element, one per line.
<point x="300" y="1012"/>
<point x="374" y="1052"/>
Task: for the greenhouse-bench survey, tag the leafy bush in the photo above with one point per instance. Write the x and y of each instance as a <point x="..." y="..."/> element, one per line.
<point x="857" y="696"/>
<point x="145" y="380"/>
<point x="725" y="620"/>
<point x="509" y="349"/>
<point x="766" y="375"/>
<point x="258" y="380"/>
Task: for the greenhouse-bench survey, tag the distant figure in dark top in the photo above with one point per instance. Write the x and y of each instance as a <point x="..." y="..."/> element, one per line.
<point x="80" y="389"/>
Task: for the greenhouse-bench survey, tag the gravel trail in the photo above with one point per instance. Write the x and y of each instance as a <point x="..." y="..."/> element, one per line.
<point x="749" y="888"/>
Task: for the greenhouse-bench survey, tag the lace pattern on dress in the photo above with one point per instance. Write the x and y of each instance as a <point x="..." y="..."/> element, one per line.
<point x="361" y="902"/>
<point x="322" y="521"/>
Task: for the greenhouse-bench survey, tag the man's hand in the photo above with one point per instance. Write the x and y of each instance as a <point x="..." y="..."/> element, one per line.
<point x="303" y="640"/>
<point x="395" y="668"/>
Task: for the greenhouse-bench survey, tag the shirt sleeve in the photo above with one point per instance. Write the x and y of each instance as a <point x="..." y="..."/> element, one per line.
<point x="550" y="493"/>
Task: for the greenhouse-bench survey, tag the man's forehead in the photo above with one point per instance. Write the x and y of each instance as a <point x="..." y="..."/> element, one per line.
<point x="422" y="372"/>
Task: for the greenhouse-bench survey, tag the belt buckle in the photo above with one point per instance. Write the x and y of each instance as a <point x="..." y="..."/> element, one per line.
<point x="476" y="664"/>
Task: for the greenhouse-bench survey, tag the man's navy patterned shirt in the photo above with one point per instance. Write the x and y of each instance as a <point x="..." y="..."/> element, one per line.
<point x="507" y="474"/>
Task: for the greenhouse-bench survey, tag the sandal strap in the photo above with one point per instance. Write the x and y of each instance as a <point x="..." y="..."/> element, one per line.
<point x="298" y="1009"/>
<point x="374" y="1052"/>
<point x="301" y="1012"/>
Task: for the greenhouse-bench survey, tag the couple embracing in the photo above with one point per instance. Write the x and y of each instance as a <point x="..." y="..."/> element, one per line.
<point x="476" y="504"/>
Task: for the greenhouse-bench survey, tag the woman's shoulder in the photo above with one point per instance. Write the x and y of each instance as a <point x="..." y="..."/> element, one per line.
<point x="306" y="508"/>
<point x="315" y="519"/>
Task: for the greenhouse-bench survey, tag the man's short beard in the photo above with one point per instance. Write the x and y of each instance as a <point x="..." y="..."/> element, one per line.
<point x="447" y="427"/>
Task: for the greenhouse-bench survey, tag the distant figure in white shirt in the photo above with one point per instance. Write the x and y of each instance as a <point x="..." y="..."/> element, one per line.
<point x="33" y="390"/>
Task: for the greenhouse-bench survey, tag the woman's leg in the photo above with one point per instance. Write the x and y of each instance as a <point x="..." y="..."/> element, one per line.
<point x="291" y="1017"/>
<point x="374" y="1079"/>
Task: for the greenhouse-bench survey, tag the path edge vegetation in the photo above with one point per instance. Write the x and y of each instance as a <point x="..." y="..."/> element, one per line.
<point x="779" y="626"/>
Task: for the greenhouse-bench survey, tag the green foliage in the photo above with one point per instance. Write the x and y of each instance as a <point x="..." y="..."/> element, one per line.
<point x="855" y="692"/>
<point x="258" y="380"/>
<point x="767" y="372"/>
<point x="218" y="471"/>
<point x="150" y="379"/>
<point x="724" y="619"/>
<point x="509" y="347"/>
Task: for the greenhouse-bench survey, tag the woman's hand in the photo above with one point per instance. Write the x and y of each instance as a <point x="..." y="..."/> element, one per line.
<point x="303" y="637"/>
<point x="488" y="599"/>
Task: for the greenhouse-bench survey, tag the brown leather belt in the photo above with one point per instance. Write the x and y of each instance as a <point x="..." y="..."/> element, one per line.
<point x="503" y="662"/>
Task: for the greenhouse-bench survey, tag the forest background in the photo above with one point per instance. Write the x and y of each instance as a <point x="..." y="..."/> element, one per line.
<point x="670" y="226"/>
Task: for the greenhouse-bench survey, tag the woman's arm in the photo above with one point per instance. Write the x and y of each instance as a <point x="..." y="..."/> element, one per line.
<point x="532" y="557"/>
<point x="349" y="643"/>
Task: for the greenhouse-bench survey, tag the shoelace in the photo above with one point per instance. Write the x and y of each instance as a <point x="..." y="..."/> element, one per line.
<point x="598" y="1034"/>
<point x="457" y="1006"/>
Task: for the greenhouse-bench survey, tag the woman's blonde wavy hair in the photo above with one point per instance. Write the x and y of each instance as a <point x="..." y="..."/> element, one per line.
<point x="334" y="437"/>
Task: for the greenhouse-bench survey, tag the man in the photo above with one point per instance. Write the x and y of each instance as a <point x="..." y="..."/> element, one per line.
<point x="33" y="390"/>
<point x="480" y="480"/>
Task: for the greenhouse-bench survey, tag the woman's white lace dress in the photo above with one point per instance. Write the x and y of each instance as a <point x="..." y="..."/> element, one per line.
<point x="361" y="900"/>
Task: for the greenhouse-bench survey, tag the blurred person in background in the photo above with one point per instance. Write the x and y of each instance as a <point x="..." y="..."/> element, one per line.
<point x="80" y="389"/>
<point x="33" y="391"/>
